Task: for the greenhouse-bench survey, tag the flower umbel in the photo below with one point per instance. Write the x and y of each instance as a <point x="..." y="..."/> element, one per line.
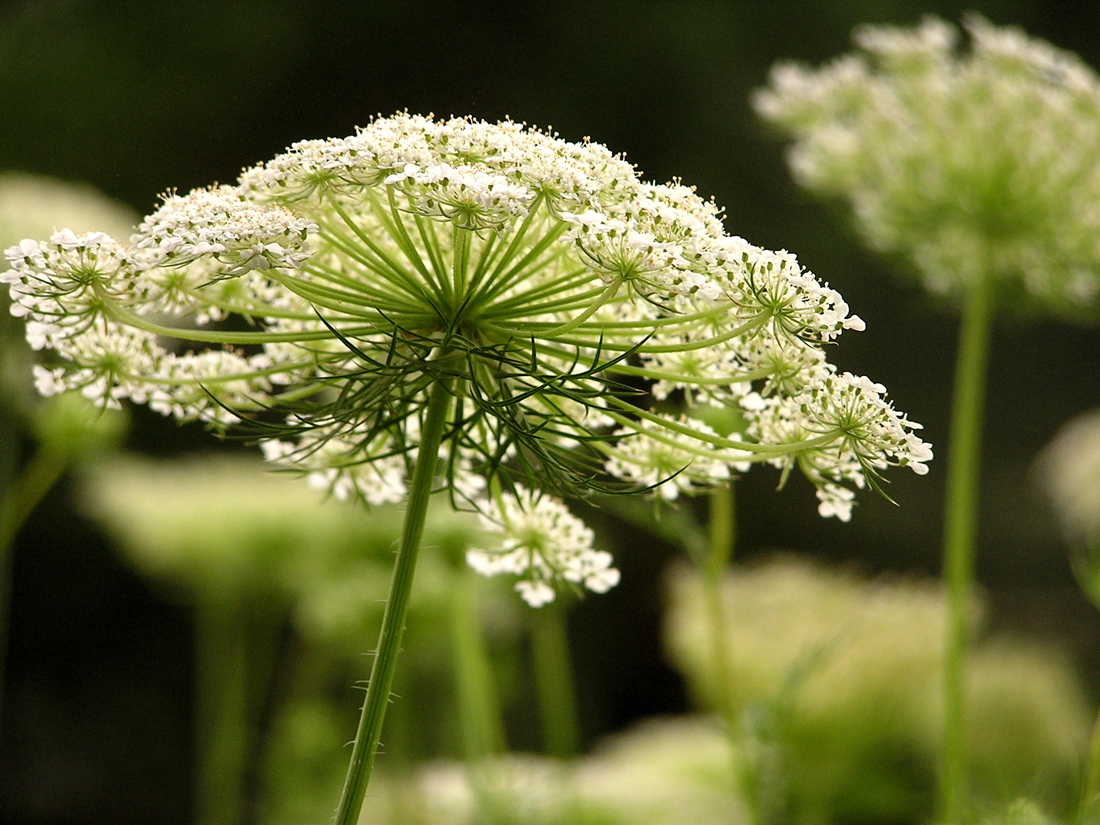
<point x="969" y="163"/>
<point x="542" y="541"/>
<point x="551" y="291"/>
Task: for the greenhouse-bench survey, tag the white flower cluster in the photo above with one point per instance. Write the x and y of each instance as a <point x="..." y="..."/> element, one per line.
<point x="552" y="292"/>
<point x="833" y="403"/>
<point x="541" y="542"/>
<point x="672" y="462"/>
<point x="59" y="286"/>
<point x="335" y="464"/>
<point x="972" y="164"/>
<point x="470" y="199"/>
<point x="220" y="223"/>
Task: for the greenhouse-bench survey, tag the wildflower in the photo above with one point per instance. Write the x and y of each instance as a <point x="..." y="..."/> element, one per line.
<point x="32" y="205"/>
<point x="661" y="772"/>
<point x="487" y="294"/>
<point x="970" y="164"/>
<point x="541" y="541"/>
<point x="978" y="169"/>
<point x="670" y="463"/>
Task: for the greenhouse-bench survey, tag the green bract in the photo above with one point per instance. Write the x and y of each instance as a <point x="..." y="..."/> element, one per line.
<point x="546" y="289"/>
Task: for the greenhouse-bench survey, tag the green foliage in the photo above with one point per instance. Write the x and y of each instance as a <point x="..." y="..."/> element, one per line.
<point x="837" y="681"/>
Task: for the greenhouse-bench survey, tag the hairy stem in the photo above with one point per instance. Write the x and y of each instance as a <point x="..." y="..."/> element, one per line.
<point x="397" y="605"/>
<point x="960" y="530"/>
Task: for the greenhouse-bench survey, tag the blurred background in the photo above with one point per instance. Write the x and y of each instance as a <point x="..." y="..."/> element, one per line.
<point x="137" y="98"/>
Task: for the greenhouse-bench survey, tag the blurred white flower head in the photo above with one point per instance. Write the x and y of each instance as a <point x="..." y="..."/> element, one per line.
<point x="969" y="163"/>
<point x="1070" y="467"/>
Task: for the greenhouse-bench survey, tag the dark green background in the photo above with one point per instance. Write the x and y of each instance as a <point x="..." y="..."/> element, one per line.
<point x="139" y="97"/>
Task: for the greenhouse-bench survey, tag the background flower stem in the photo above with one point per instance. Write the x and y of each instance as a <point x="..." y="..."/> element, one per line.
<point x="478" y="706"/>
<point x="720" y="551"/>
<point x="397" y="604"/>
<point x="722" y="536"/>
<point x="20" y="498"/>
<point x="1092" y="776"/>
<point x="960" y="531"/>
<point x="221" y="712"/>
<point x="554" y="678"/>
<point x="236" y="642"/>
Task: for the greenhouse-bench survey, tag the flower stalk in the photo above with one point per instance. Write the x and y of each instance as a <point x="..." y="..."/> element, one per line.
<point x="222" y="714"/>
<point x="972" y="155"/>
<point x="478" y="708"/>
<point x="555" y="686"/>
<point x="960" y="535"/>
<point x="721" y="537"/>
<point x="18" y="502"/>
<point x="369" y="733"/>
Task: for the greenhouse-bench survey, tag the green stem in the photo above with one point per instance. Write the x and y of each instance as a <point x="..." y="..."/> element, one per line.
<point x="605" y="296"/>
<point x="1092" y="777"/>
<point x="721" y="522"/>
<point x="397" y="605"/>
<point x="722" y="539"/>
<point x="554" y="680"/>
<point x="211" y="336"/>
<point x="478" y="708"/>
<point x="20" y="499"/>
<point x="758" y="452"/>
<point x="221" y="710"/>
<point x="43" y="471"/>
<point x="960" y="530"/>
<point x="460" y="259"/>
